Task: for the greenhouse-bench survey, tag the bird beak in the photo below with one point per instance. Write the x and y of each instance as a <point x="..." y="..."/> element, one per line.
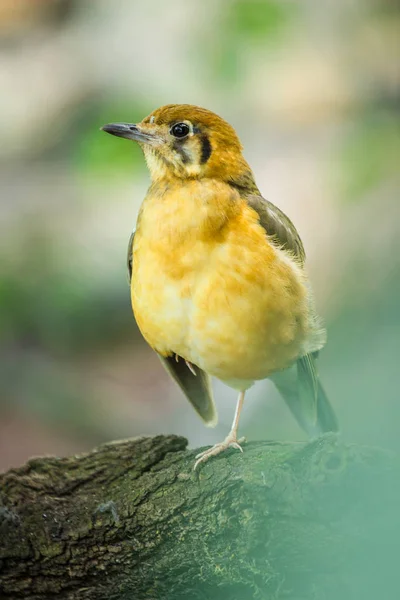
<point x="130" y="131"/>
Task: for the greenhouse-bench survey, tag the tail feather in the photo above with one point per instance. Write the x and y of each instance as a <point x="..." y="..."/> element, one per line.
<point x="326" y="417"/>
<point x="314" y="423"/>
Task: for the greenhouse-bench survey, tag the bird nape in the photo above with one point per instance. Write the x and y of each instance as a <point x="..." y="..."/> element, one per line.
<point x="218" y="284"/>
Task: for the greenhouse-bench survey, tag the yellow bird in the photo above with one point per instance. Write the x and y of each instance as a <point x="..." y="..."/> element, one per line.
<point x="218" y="285"/>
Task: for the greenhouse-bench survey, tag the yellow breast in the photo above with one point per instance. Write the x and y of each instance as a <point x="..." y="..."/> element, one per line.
<point x="208" y="285"/>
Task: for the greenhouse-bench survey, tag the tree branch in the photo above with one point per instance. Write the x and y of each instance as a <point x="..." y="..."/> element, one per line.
<point x="131" y="520"/>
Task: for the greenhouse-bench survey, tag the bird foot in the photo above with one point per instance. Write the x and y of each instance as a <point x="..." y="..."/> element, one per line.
<point x="229" y="442"/>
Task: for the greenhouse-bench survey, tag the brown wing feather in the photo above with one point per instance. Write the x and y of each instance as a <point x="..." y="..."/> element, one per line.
<point x="197" y="388"/>
<point x="278" y="226"/>
<point x="305" y="396"/>
<point x="129" y="257"/>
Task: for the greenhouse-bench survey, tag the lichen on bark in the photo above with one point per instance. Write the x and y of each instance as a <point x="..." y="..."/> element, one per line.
<point x="131" y="520"/>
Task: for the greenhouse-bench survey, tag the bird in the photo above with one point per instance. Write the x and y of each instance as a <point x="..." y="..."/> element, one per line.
<point x="217" y="273"/>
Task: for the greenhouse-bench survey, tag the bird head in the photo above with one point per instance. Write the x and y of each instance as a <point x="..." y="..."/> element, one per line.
<point x="188" y="142"/>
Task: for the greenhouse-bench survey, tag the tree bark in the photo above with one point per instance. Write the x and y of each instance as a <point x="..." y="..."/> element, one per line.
<point x="131" y="520"/>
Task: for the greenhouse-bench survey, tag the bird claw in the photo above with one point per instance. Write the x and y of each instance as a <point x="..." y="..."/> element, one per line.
<point x="229" y="442"/>
<point x="190" y="367"/>
<point x="188" y="364"/>
<point x="236" y="445"/>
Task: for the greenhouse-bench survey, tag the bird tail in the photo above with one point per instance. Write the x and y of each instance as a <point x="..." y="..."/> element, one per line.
<point x="306" y="398"/>
<point x="326" y="417"/>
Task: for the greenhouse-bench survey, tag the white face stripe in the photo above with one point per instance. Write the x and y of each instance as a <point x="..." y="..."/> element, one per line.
<point x="152" y="119"/>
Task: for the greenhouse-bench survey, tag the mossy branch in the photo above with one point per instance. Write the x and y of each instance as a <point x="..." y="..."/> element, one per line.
<point x="131" y="520"/>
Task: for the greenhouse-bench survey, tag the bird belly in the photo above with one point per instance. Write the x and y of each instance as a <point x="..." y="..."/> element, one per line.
<point x="248" y="322"/>
<point x="237" y="309"/>
<point x="162" y="303"/>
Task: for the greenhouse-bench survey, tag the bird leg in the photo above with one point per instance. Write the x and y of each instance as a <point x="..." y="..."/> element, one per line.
<point x="230" y="441"/>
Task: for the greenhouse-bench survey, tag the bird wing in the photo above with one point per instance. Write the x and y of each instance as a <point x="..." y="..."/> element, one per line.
<point x="284" y="234"/>
<point x="129" y="256"/>
<point x="278" y="226"/>
<point x="197" y="388"/>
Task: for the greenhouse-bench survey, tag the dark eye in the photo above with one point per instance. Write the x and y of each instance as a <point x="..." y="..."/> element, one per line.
<point x="180" y="130"/>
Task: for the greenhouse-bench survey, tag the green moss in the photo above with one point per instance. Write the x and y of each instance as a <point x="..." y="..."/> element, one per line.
<point x="231" y="535"/>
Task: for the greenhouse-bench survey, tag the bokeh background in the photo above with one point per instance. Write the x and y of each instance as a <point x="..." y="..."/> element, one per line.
<point x="312" y="89"/>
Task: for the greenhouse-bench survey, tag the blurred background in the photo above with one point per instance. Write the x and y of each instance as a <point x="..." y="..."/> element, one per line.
<point x="313" y="91"/>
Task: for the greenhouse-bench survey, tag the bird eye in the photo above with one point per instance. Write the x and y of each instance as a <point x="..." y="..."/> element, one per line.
<point x="180" y="130"/>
